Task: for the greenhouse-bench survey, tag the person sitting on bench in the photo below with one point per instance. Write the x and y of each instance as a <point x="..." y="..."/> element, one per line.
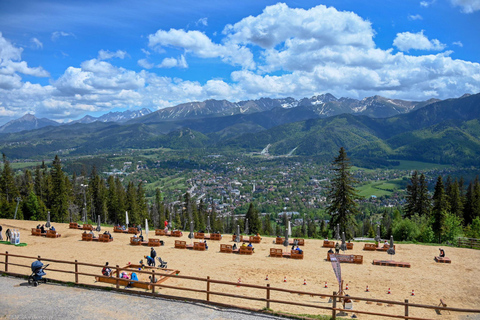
<point x="250" y="245"/>
<point x="42" y="229"/>
<point x="93" y="235"/>
<point x="442" y="253"/>
<point x="330" y="251"/>
<point x="234" y="246"/>
<point x="299" y="250"/>
<point x="106" y="271"/>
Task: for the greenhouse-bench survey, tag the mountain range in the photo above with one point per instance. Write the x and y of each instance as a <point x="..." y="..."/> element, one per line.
<point x="374" y="129"/>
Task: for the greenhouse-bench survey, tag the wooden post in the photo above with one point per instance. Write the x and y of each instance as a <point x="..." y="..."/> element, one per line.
<point x="76" y="271"/>
<point x="153" y="281"/>
<point x="268" y="295"/>
<point x="334" y="312"/>
<point x="6" y="261"/>
<point x="118" y="276"/>
<point x="406" y="309"/>
<point x="208" y="288"/>
<point x="39" y="258"/>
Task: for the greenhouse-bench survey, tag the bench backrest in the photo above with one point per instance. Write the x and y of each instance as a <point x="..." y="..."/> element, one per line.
<point x="180" y="243"/>
<point x="159" y="232"/>
<point x="248" y="250"/>
<point x="87" y="236"/>
<point x="103" y="237"/>
<point x="278" y="240"/>
<point x="132" y="230"/>
<point x="215" y="236"/>
<point x="153" y="241"/>
<point x="176" y="233"/>
<point x="301" y="242"/>
<point x="87" y="227"/>
<point x="199" y="245"/>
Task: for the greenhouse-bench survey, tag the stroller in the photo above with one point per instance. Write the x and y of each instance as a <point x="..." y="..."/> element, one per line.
<point x="37" y="273"/>
<point x="162" y="264"/>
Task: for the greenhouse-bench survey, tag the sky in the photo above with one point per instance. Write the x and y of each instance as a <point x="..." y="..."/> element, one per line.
<point x="65" y="59"/>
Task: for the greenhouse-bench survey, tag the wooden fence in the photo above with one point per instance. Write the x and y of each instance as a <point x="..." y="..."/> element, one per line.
<point x="208" y="292"/>
<point x="469" y="243"/>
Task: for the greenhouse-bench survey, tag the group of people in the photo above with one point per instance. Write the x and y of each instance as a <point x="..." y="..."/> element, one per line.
<point x="42" y="228"/>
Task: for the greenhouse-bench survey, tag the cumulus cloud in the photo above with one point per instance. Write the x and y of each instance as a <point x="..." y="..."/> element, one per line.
<point x="173" y="62"/>
<point x="145" y="64"/>
<point x="427" y="4"/>
<point x="105" y="54"/>
<point x="202" y="21"/>
<point x="200" y="45"/>
<point x="37" y="44"/>
<point x="467" y="6"/>
<point x="458" y="43"/>
<point x="418" y="41"/>
<point x="58" y="34"/>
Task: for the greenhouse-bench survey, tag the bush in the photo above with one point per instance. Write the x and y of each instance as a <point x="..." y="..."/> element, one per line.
<point x="452" y="227"/>
<point x="473" y="230"/>
<point x="405" y="230"/>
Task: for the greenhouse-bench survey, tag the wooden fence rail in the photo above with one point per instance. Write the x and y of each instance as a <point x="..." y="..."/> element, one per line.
<point x="209" y="292"/>
<point x="469" y="243"/>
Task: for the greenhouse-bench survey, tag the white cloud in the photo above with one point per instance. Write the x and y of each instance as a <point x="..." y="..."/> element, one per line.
<point x="145" y="64"/>
<point x="415" y="17"/>
<point x="427" y="4"/>
<point x="417" y="41"/>
<point x="58" y="34"/>
<point x="202" y="21"/>
<point x="200" y="45"/>
<point x="173" y="62"/>
<point x="105" y="54"/>
<point x="458" y="43"/>
<point x="467" y="6"/>
<point x="37" y="44"/>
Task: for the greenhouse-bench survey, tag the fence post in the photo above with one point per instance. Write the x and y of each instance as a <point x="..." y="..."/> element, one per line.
<point x="334" y="313"/>
<point x="208" y="288"/>
<point x="153" y="281"/>
<point x="118" y="276"/>
<point x="39" y="258"/>
<point x="76" y="271"/>
<point x="268" y="295"/>
<point x="6" y="261"/>
<point x="406" y="309"/>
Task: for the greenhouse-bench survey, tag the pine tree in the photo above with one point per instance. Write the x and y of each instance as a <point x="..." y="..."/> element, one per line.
<point x="423" y="204"/>
<point x="342" y="206"/>
<point x="411" y="198"/>
<point x="454" y="198"/>
<point x="254" y="223"/>
<point x="8" y="188"/>
<point x="440" y="208"/>
<point x="268" y="226"/>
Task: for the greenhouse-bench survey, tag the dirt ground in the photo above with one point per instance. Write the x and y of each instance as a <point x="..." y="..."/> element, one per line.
<point x="457" y="284"/>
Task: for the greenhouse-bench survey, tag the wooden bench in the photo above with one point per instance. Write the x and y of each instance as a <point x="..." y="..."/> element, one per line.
<point x="199" y="235"/>
<point x="132" y="230"/>
<point x="370" y="247"/>
<point x="347" y="258"/>
<point x="349" y="246"/>
<point x="200" y="246"/>
<point x="118" y="229"/>
<point x="295" y="255"/>
<point x="227" y="248"/>
<point x="180" y="244"/>
<point x="276" y="253"/>
<point x="245" y="250"/>
<point x="134" y="241"/>
<point x="279" y="240"/>
<point x="328" y="244"/>
<point x="254" y="239"/>
<point x="159" y="232"/>
<point x="443" y="260"/>
<point x="87" y="237"/>
<point x="390" y="263"/>
<point x="88" y="227"/>
<point x="73" y="225"/>
<point x="385" y="247"/>
<point x="215" y="236"/>
<point x="104" y="238"/>
<point x="300" y="242"/>
<point x="234" y="237"/>
<point x="154" y="242"/>
<point x="177" y="233"/>
<point x="52" y="234"/>
<point x="36" y="232"/>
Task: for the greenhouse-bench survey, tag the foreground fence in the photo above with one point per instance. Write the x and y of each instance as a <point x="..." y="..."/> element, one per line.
<point x="469" y="243"/>
<point x="266" y="297"/>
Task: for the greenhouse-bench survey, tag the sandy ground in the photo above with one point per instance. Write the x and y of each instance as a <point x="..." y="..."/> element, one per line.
<point x="458" y="283"/>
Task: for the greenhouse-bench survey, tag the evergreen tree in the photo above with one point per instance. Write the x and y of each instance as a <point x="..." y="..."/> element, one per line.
<point x="440" y="208"/>
<point x="60" y="199"/>
<point x="8" y="188"/>
<point x="142" y="205"/>
<point x="131" y="204"/>
<point x="411" y="198"/>
<point x="268" y="230"/>
<point x="423" y="204"/>
<point x="454" y="198"/>
<point x="342" y="206"/>
<point x="254" y="223"/>
<point x="468" y="210"/>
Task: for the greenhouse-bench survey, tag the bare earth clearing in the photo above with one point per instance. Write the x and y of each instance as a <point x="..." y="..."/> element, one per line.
<point x="458" y="283"/>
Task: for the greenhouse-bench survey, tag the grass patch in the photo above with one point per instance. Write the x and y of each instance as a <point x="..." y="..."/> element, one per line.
<point x="21" y="244"/>
<point x="417" y="165"/>
<point x="381" y="188"/>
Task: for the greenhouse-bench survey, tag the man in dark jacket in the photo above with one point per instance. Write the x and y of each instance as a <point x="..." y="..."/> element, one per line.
<point x="153" y="254"/>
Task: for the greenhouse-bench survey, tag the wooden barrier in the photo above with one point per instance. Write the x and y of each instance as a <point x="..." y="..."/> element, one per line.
<point x="266" y="297"/>
<point x="469" y="243"/>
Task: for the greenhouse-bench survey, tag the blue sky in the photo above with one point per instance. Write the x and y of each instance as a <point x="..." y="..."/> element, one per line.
<point x="65" y="59"/>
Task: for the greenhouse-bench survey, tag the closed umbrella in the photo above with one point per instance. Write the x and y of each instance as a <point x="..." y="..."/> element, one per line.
<point x="246" y="227"/>
<point x="170" y="221"/>
<point x="190" y="235"/>
<point x="289" y="228"/>
<point x="337" y="232"/>
<point x="391" y="250"/>
<point x="98" y="224"/>
<point x="237" y="238"/>
<point x="126" y="218"/>
<point x="285" y="242"/>
<point x="377" y="238"/>
<point x="84" y="215"/>
<point x="48" y="220"/>
<point x="343" y="246"/>
<point x="208" y="224"/>
<point x="146" y="228"/>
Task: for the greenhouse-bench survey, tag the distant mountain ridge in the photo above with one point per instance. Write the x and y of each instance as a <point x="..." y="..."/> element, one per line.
<point x="27" y="122"/>
<point x="115" y="116"/>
